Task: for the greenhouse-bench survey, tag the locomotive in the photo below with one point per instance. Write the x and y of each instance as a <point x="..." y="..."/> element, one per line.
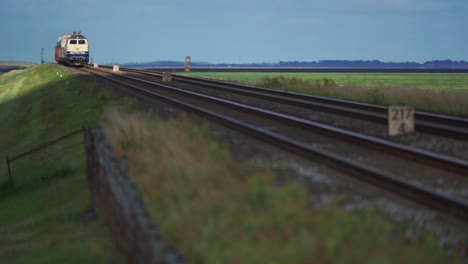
<point x="72" y="49"/>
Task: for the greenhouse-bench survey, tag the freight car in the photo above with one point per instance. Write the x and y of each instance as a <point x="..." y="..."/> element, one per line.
<point x="72" y="49"/>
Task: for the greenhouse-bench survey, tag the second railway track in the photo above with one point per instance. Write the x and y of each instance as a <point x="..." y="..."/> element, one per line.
<point x="305" y="138"/>
<point x="426" y="122"/>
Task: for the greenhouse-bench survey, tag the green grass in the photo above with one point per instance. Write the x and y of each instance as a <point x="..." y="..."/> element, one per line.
<point x="41" y="219"/>
<point x="436" y="81"/>
<point x="41" y="224"/>
<point x="441" y="93"/>
<point x="218" y="211"/>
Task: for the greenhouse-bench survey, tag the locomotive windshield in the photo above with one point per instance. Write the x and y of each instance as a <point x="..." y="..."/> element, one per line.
<point x="80" y="41"/>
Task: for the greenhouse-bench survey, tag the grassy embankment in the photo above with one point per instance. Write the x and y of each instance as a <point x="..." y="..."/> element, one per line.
<point x="444" y="93"/>
<point x="43" y="213"/>
<point x="217" y="211"/>
<point x="213" y="209"/>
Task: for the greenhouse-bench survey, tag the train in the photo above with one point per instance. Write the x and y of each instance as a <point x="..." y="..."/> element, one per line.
<point x="72" y="49"/>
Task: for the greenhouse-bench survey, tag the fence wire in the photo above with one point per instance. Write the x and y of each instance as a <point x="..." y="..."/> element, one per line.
<point x="57" y="158"/>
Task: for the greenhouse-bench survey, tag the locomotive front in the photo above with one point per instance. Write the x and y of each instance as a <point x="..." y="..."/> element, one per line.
<point x="72" y="49"/>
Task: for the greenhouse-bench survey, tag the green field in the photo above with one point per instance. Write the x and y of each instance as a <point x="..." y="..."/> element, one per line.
<point x="440" y="93"/>
<point x="438" y="81"/>
<point x="44" y="211"/>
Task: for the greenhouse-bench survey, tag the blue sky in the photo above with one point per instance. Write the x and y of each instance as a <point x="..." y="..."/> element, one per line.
<point x="239" y="31"/>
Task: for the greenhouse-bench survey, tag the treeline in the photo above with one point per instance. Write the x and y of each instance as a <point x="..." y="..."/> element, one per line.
<point x="435" y="64"/>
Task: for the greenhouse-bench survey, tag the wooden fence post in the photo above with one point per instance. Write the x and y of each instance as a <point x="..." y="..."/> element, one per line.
<point x="9" y="171"/>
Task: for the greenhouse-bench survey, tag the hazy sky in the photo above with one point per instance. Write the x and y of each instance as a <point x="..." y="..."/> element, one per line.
<point x="239" y="31"/>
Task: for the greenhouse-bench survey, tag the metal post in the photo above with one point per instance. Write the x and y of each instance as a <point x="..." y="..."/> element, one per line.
<point x="9" y="171"/>
<point x="188" y="59"/>
<point x="42" y="56"/>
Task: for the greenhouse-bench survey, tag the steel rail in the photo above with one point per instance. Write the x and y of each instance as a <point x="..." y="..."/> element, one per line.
<point x="438" y="124"/>
<point x="429" y="158"/>
<point x="426" y="116"/>
<point x="433" y="123"/>
<point x="450" y="205"/>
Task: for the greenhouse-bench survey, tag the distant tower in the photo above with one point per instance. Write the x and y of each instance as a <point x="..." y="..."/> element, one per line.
<point x="42" y="56"/>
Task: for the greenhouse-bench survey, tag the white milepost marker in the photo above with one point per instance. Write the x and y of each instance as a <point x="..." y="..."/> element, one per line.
<point x="400" y="120"/>
<point x="167" y="77"/>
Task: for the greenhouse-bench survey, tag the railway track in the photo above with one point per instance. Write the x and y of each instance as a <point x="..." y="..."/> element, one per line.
<point x="426" y="122"/>
<point x="255" y="121"/>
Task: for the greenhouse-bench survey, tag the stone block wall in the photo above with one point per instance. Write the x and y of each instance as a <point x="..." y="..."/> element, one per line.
<point x="119" y="206"/>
